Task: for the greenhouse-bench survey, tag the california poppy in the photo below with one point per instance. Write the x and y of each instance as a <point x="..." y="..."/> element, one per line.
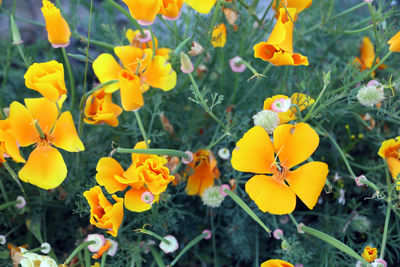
<point x="370" y="254"/>
<point x="299" y="5"/>
<point x="276" y="263"/>
<point x="58" y="31"/>
<point x="41" y="124"/>
<point x="218" y="36"/>
<point x="203" y="6"/>
<point x="8" y="143"/>
<point x="292" y="145"/>
<point x="367" y="55"/>
<point x="394" y="43"/>
<point x="144" y="11"/>
<point x="390" y="151"/>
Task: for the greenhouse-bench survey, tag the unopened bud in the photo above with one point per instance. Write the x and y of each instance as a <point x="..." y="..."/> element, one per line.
<point x="186" y="64"/>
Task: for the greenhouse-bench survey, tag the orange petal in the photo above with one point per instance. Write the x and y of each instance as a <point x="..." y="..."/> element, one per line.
<point x="394" y="167"/>
<point x="159" y="74"/>
<point x="218" y="38"/>
<point x="394" y="43"/>
<point x="145" y="10"/>
<point x="58" y="31"/>
<point x="254" y="152"/>
<point x="367" y="51"/>
<point x="65" y="135"/>
<point x="270" y="195"/>
<point x="134" y="202"/>
<point x="201" y="179"/>
<point x="22" y="125"/>
<point x="130" y="56"/>
<point x="45" y="168"/>
<point x="131" y="93"/>
<point x="308" y="181"/>
<point x="107" y="169"/>
<point x="295" y="143"/>
<point x="11" y="146"/>
<point x="116" y="215"/>
<point x="203" y="6"/>
<point x="44" y="111"/>
<point x="276" y="263"/>
<point x="106" y="69"/>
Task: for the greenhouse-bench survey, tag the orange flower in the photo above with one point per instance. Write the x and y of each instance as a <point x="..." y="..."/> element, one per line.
<point x="276" y="263"/>
<point x="58" y="31"/>
<point x="41" y="124"/>
<point x="144" y="11"/>
<point x="299" y="5"/>
<point x="278" y="50"/>
<point x="281" y="105"/>
<point x="292" y="145"/>
<point x="141" y="71"/>
<point x="47" y="78"/>
<point x="100" y="109"/>
<point x="367" y="56"/>
<point x="370" y="254"/>
<point x="147" y="173"/>
<point x="390" y="151"/>
<point x="218" y="37"/>
<point x="171" y="9"/>
<point x="203" y="6"/>
<point x="205" y="170"/>
<point x="8" y="143"/>
<point x="394" y="43"/>
<point x="103" y="214"/>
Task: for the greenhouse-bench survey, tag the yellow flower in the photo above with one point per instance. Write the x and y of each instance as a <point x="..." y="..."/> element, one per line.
<point x="141" y="71"/>
<point x="100" y="109"/>
<point x="370" y="254"/>
<point x="292" y="145"/>
<point x="218" y="37"/>
<point x="8" y="143"/>
<point x="278" y="50"/>
<point x="47" y="78"/>
<point x="103" y="214"/>
<point x="390" y="151"/>
<point x="281" y="105"/>
<point x="299" y="5"/>
<point x="394" y="43"/>
<point x="147" y="174"/>
<point x="203" y="6"/>
<point x="58" y="31"/>
<point x="367" y="56"/>
<point x="276" y="263"/>
<point x="171" y="9"/>
<point x="204" y="171"/>
<point x="41" y="124"/>
<point x="144" y="11"/>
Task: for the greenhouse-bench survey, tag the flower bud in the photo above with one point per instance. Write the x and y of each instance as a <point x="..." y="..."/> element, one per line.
<point x="267" y="119"/>
<point x="171" y="247"/>
<point x="186" y="64"/>
<point x="370" y="95"/>
<point x="58" y="31"/>
<point x="212" y="197"/>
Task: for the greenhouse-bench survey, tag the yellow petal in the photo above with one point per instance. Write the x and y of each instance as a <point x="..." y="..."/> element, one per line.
<point x="390" y="148"/>
<point x="254" y="152"/>
<point x="295" y="143"/>
<point x="11" y="146"/>
<point x="58" y="31"/>
<point x="276" y="263"/>
<point x="271" y="195"/>
<point x="116" y="215"/>
<point x="300" y="5"/>
<point x="44" y="111"/>
<point x="131" y="93"/>
<point x="45" y="168"/>
<point x="218" y="37"/>
<point x="394" y="43"/>
<point x="201" y="179"/>
<point x="159" y="74"/>
<point x="22" y="126"/>
<point x="171" y="8"/>
<point x="308" y="181"/>
<point x="107" y="169"/>
<point x="65" y="135"/>
<point x="106" y="69"/>
<point x="144" y="10"/>
<point x="130" y="56"/>
<point x="203" y="6"/>
<point x="367" y="52"/>
<point x="134" y="202"/>
<point x="394" y="167"/>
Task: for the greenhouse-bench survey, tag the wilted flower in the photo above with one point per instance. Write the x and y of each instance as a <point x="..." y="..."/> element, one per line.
<point x="236" y="65"/>
<point x="46" y="248"/>
<point x="113" y="248"/>
<point x="98" y="238"/>
<point x="369" y="254"/>
<point x="224" y="153"/>
<point x="208" y="234"/>
<point x="212" y="197"/>
<point x="3" y="240"/>
<point x="196" y="49"/>
<point x="278" y="234"/>
<point x="171" y="247"/>
<point x="218" y="37"/>
<point x="341" y="199"/>
<point x="32" y="259"/>
<point x="379" y="263"/>
<point x="21" y="203"/>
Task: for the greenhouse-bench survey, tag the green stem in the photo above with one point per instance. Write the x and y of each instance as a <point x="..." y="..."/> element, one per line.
<point x="87" y="47"/>
<point x="154" y="151"/>
<point x="98" y="43"/>
<point x="203" y="101"/>
<point x="140" y="123"/>
<point x="315" y="104"/>
<point x="216" y="141"/>
<point x="388" y="210"/>
<point x="148" y="232"/>
<point x="333" y="242"/>
<point x="103" y="259"/>
<point x="127" y="14"/>
<point x="70" y="76"/>
<point x="358" y="30"/>
<point x="153" y="41"/>
<point x="187" y="247"/>
<point x="3" y="191"/>
<point x="371" y="11"/>
<point x="247" y="209"/>
<point x="7" y="205"/>
<point x="293" y="219"/>
<point x="253" y="70"/>
<point x="214" y="246"/>
<point x="77" y="249"/>
<point x="15" y="178"/>
<point x="214" y="19"/>
<point x="157" y="257"/>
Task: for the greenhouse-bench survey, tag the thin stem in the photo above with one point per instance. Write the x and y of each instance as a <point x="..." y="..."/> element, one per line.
<point x="3" y="191"/>
<point x="140" y="123"/>
<point x="153" y="41"/>
<point x="148" y="232"/>
<point x="154" y="151"/>
<point x="358" y="30"/>
<point x="7" y="205"/>
<point x="157" y="257"/>
<point x="127" y="14"/>
<point x="77" y="249"/>
<point x="247" y="209"/>
<point x="293" y="219"/>
<point x="388" y="210"/>
<point x="70" y="76"/>
<point x="315" y="104"/>
<point x="187" y="247"/>
<point x="98" y="43"/>
<point x="87" y="47"/>
<point x="103" y="259"/>
<point x="217" y="141"/>
<point x="371" y="11"/>
<point x="213" y="241"/>
<point x="15" y="178"/>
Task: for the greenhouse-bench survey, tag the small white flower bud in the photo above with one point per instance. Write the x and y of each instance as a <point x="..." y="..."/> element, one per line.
<point x="212" y="197"/>
<point x="267" y="119"/>
<point x="370" y="95"/>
